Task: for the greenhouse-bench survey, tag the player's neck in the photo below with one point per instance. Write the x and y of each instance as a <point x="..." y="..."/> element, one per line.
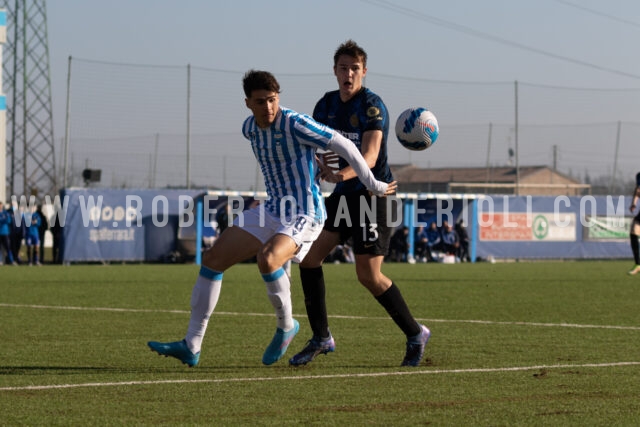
<point x="346" y="96"/>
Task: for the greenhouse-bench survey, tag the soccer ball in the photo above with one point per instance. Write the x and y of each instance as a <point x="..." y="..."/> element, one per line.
<point x="417" y="129"/>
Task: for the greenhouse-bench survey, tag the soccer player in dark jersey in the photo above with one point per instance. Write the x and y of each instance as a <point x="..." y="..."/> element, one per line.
<point x="635" y="228"/>
<point x="360" y="115"/>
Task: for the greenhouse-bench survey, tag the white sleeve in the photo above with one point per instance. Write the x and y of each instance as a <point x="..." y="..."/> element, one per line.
<point x="348" y="151"/>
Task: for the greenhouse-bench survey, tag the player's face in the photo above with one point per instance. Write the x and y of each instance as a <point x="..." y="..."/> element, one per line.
<point x="349" y="72"/>
<point x="264" y="105"/>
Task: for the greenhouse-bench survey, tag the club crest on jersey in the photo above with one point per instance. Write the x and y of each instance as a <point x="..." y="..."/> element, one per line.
<point x="353" y="120"/>
<point x="277" y="137"/>
<point x="373" y="112"/>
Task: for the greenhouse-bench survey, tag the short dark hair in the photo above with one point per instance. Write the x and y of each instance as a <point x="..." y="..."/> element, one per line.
<point x="638" y="179"/>
<point x="351" y="49"/>
<point x="259" y="80"/>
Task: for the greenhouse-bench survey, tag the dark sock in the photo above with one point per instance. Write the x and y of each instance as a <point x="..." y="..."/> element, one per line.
<point x="395" y="305"/>
<point x="314" y="300"/>
<point x="635" y="248"/>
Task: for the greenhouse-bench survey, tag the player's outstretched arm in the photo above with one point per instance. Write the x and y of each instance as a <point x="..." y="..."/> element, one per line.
<point x="348" y="151"/>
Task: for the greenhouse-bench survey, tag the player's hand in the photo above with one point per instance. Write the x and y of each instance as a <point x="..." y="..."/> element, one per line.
<point x="328" y="169"/>
<point x="331" y="160"/>
<point x="326" y="173"/>
<point x="391" y="188"/>
<point x="632" y="208"/>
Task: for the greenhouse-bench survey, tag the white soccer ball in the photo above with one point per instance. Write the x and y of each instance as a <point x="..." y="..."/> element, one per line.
<point x="417" y="129"/>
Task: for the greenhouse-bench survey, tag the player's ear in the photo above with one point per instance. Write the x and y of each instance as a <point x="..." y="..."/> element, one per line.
<point x="246" y="102"/>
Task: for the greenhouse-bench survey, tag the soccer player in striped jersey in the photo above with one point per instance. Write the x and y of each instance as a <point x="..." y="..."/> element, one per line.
<point x="284" y="226"/>
<point x="361" y="116"/>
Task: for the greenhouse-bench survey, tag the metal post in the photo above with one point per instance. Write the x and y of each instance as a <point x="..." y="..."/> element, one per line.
<point x="67" y="127"/>
<point x="155" y="161"/>
<point x="516" y="141"/>
<point x="25" y="82"/>
<point x="14" y="109"/>
<point x="188" y="126"/>
<point x="409" y="217"/>
<point x="488" y="154"/>
<point x="199" y="226"/>
<point x="615" y="160"/>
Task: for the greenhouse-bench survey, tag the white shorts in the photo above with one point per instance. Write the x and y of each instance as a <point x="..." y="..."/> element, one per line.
<point x="262" y="224"/>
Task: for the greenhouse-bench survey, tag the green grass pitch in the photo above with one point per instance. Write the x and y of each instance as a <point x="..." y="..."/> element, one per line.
<point x="540" y="343"/>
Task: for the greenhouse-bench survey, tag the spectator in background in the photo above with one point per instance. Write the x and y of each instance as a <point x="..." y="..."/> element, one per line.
<point x="347" y="249"/>
<point x="463" y="236"/>
<point x="450" y="239"/>
<point x="399" y="245"/>
<point x="33" y="222"/>
<point x="420" y="244"/>
<point x="18" y="228"/>
<point x="5" y="240"/>
<point x="56" y="232"/>
<point x="341" y="254"/>
<point x="44" y="226"/>
<point x="434" y="243"/>
<point x="635" y="228"/>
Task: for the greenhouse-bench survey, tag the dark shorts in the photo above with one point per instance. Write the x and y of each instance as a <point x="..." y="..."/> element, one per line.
<point x="32" y="240"/>
<point x="635" y="226"/>
<point x="344" y="213"/>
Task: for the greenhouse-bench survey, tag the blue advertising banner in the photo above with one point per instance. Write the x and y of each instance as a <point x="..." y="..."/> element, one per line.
<point x="103" y="225"/>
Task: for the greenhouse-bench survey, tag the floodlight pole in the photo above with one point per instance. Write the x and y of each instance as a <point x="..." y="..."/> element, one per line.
<point x="29" y="118"/>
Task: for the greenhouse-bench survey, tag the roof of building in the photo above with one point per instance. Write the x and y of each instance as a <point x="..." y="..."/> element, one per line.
<point x="408" y="173"/>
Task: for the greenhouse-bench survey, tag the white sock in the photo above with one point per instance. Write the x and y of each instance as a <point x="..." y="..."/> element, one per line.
<point x="204" y="298"/>
<point x="279" y="293"/>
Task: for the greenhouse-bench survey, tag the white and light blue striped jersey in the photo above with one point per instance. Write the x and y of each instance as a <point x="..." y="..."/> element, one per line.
<point x="286" y="154"/>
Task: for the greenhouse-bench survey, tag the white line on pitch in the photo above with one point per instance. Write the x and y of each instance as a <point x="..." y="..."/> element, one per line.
<point x="322" y="377"/>
<point x="227" y="313"/>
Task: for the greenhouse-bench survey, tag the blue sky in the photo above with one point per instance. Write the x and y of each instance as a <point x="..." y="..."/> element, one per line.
<point x="297" y="36"/>
<point x="564" y="43"/>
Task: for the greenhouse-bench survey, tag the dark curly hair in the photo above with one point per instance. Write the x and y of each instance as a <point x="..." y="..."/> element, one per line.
<point x="351" y="49"/>
<point x="259" y="80"/>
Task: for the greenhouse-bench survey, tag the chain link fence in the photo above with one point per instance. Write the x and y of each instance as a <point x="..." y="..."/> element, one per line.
<point x="150" y="126"/>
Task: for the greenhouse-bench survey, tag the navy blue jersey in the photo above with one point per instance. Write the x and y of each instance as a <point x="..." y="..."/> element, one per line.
<point x="365" y="111"/>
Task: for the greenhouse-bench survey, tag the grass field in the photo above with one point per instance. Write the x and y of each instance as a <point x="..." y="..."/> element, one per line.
<point x="546" y="343"/>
